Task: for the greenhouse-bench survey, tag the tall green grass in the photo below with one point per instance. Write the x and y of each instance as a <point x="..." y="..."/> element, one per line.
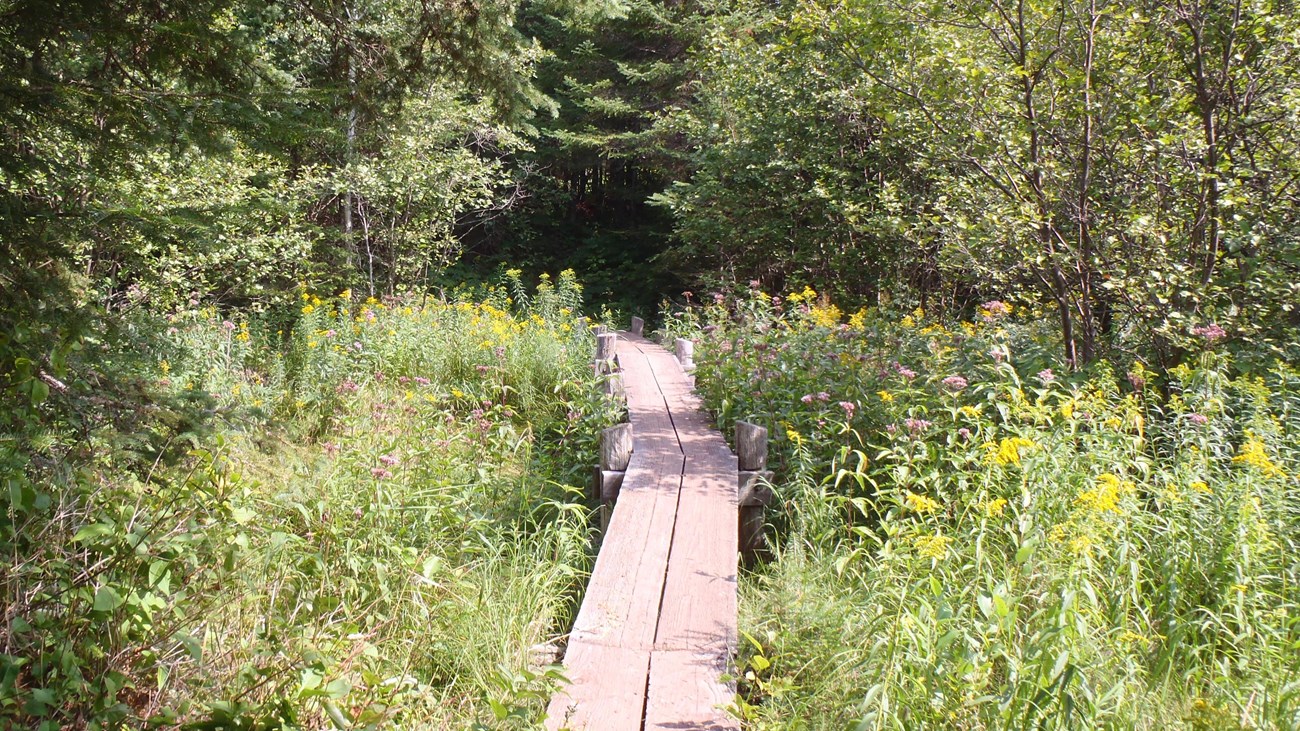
<point x="972" y="537"/>
<point x="365" y="516"/>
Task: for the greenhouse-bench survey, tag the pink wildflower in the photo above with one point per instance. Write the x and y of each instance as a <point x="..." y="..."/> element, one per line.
<point x="379" y="473"/>
<point x="1211" y="332"/>
<point x="1046" y="375"/>
<point x="848" y="407"/>
<point x="904" y="371"/>
<point x="916" y="426"/>
<point x="993" y="309"/>
<point x="228" y="325"/>
<point x="807" y="398"/>
<point x="388" y="460"/>
<point x="956" y="383"/>
<point x="823" y="396"/>
<point x="421" y="381"/>
<point x="330" y="448"/>
<point x="964" y="433"/>
<point x="1198" y="419"/>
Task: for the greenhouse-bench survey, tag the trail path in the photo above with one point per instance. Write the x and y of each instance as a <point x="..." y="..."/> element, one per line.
<point x="657" y="626"/>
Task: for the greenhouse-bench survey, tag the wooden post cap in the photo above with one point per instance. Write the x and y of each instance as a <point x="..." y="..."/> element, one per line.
<point x="616" y="447"/>
<point x="751" y="446"/>
<point x="685" y="353"/>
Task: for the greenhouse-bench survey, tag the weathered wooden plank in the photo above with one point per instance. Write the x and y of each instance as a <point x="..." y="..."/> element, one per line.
<point x="698" y="611"/>
<point x="686" y="692"/>
<point x="606" y="691"/>
<point x="621" y="604"/>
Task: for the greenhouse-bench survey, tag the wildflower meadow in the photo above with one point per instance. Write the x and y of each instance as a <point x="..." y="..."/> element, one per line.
<point x="371" y="517"/>
<point x="969" y="535"/>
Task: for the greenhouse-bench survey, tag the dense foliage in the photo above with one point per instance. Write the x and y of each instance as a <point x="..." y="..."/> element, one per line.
<point x="973" y="537"/>
<point x="365" y="519"/>
<point x="1128" y="164"/>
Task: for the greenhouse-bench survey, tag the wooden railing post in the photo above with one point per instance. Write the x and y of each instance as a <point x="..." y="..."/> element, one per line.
<point x="638" y="325"/>
<point x="685" y="350"/>
<point x="753" y="492"/>
<point x="605" y="345"/>
<point x="615" y="454"/>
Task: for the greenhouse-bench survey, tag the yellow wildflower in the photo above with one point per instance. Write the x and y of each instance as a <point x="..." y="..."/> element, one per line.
<point x="885" y="396"/>
<point x="165" y="367"/>
<point x="994" y="508"/>
<point x="1201" y="487"/>
<point x="858" y="320"/>
<point x="1008" y="450"/>
<point x="1067" y="409"/>
<point x="807" y="295"/>
<point x="971" y="411"/>
<point x="1254" y="454"/>
<point x="308" y="309"/>
<point x="794" y="437"/>
<point x="346" y="294"/>
<point x="920" y="503"/>
<point x="1104" y="498"/>
<point x="1081" y="545"/>
<point x="935" y="547"/>
<point x="828" y="316"/>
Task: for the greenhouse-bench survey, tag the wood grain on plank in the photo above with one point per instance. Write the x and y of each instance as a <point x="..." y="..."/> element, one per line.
<point x="606" y="693"/>
<point x="621" y="605"/>
<point x="698" y="611"/>
<point x="686" y="692"/>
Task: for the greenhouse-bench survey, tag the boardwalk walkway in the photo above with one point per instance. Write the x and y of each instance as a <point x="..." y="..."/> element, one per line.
<point x="657" y="627"/>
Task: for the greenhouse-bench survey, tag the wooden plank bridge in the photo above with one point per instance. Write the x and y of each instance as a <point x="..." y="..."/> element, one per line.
<point x="657" y="627"/>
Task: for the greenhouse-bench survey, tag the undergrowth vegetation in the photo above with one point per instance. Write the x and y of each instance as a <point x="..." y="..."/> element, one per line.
<point x="970" y="536"/>
<point x="361" y="515"/>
